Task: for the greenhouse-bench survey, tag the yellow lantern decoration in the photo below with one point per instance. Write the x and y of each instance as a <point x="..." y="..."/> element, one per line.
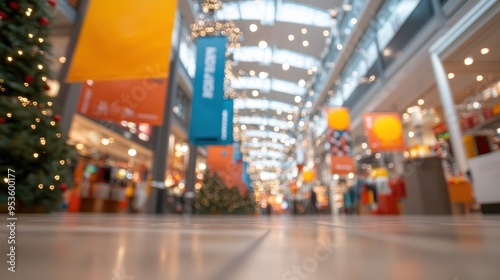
<point x="338" y="119"/>
<point x="307" y="176"/>
<point x="388" y="128"/>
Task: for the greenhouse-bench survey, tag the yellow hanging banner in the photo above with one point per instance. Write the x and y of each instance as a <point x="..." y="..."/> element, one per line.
<point x="124" y="40"/>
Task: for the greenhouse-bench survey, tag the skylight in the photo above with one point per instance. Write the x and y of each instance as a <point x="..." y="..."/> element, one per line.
<point x="267" y="85"/>
<point x="263" y="121"/>
<point x="278" y="56"/>
<point x="241" y="104"/>
<point x="265" y="11"/>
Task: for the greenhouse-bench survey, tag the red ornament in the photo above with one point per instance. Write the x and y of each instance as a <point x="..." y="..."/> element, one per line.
<point x="63" y="187"/>
<point x="57" y="117"/>
<point x="46" y="87"/>
<point x="2" y="120"/>
<point x="3" y="16"/>
<point x="43" y="21"/>
<point x="13" y="5"/>
<point x="28" y="79"/>
<point x="53" y="3"/>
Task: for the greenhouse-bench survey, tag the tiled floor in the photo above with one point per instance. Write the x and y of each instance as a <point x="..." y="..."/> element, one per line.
<point x="121" y="247"/>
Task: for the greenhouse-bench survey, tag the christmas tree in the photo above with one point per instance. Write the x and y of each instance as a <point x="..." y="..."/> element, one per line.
<point x="215" y="198"/>
<point x="31" y="143"/>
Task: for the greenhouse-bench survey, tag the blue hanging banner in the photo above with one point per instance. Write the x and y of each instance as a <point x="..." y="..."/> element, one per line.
<point x="246" y="177"/>
<point x="210" y="117"/>
<point x="226" y="133"/>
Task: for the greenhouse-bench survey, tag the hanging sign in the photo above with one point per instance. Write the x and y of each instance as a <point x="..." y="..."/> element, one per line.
<point x="138" y="101"/>
<point x="124" y="40"/>
<point x="384" y="131"/>
<point x="340" y="140"/>
<point x="211" y="114"/>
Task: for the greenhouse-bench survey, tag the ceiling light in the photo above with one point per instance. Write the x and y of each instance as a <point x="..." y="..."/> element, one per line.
<point x="304" y="31"/>
<point x="132" y="152"/>
<point x="476" y="105"/>
<point x="291" y="37"/>
<point x="243" y="127"/>
<point x="276" y="129"/>
<point x="411" y="134"/>
<point x="255" y="93"/>
<point x="354" y="21"/>
<point x="290" y="117"/>
<point x="62" y="59"/>
<point x="364" y="146"/>
<point x="336" y="176"/>
<point x="301" y="123"/>
<point x="290" y="124"/>
<point x="298" y="99"/>
<point x="285" y="66"/>
<point x="498" y="130"/>
<point x="253" y="27"/>
<point x="406" y="116"/>
<point x="437" y="120"/>
<point x="421" y="102"/>
<point x="339" y="47"/>
<point x="347" y="7"/>
<point x="279" y="112"/>
<point x="326" y="33"/>
<point x="410" y="110"/>
<point x="310" y="72"/>
<point x="468" y="61"/>
<point x="451" y="75"/>
<point x="387" y="52"/>
<point x="263" y="75"/>
<point x="314" y="68"/>
<point x="302" y="83"/>
<point x="262" y="127"/>
<point x="251" y="72"/>
<point x="262" y="44"/>
<point x="479" y="78"/>
<point x="485" y="50"/>
<point x="305" y="43"/>
<point x="105" y="141"/>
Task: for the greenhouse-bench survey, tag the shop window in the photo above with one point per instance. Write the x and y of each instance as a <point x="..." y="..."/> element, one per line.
<point x="182" y="106"/>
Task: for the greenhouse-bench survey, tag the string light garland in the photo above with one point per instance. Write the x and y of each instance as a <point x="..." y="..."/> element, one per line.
<point x="24" y="101"/>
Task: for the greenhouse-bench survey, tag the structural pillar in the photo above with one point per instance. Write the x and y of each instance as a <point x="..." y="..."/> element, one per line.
<point x="67" y="99"/>
<point x="447" y="41"/>
<point x="158" y="197"/>
<point x="190" y="180"/>
<point x="450" y="113"/>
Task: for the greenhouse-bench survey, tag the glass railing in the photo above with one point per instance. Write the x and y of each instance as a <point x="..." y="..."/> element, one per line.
<point x="393" y="27"/>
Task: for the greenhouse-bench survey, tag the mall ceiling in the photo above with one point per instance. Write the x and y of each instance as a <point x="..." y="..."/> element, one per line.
<point x="283" y="45"/>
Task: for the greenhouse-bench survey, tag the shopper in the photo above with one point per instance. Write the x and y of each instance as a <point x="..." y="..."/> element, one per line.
<point x="314" y="202"/>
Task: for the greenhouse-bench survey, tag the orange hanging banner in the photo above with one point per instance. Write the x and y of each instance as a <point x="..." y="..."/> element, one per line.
<point x="220" y="161"/>
<point x="384" y="131"/>
<point x="124" y="40"/>
<point x="138" y="101"/>
<point x="339" y="137"/>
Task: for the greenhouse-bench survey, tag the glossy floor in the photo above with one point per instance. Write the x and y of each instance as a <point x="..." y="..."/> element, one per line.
<point x="123" y="247"/>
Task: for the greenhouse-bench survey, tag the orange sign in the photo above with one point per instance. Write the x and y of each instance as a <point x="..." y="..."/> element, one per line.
<point x="220" y="160"/>
<point x="384" y="131"/>
<point x="124" y="40"/>
<point x="139" y="101"/>
<point x="343" y="165"/>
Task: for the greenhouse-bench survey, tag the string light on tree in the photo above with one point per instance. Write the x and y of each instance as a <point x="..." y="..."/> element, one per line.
<point x="25" y="25"/>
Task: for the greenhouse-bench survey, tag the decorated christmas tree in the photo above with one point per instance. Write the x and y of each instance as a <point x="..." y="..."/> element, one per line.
<point x="31" y="144"/>
<point x="216" y="198"/>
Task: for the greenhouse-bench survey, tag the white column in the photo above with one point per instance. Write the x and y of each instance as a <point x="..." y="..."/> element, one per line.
<point x="450" y="113"/>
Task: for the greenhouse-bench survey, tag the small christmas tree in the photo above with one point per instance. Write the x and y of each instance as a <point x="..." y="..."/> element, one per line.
<point x="31" y="143"/>
<point x="215" y="198"/>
